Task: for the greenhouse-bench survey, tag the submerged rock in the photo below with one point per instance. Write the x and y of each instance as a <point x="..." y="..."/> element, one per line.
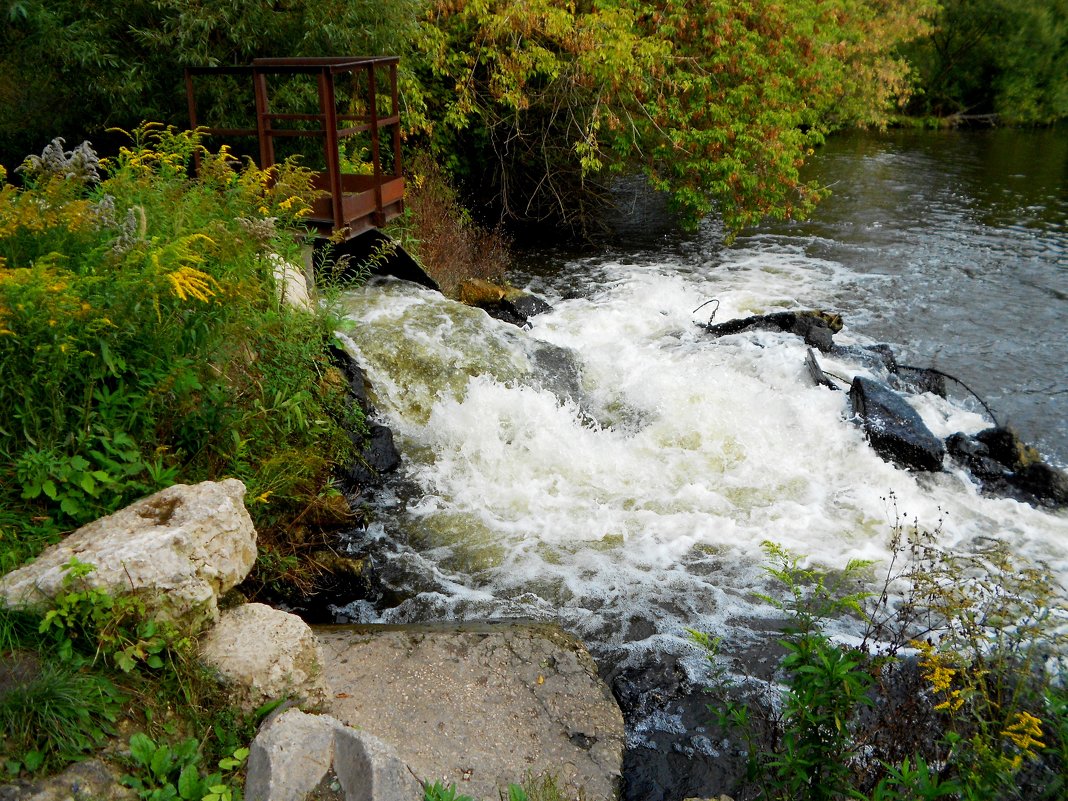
<point x="178" y="551"/>
<point x="893" y="427"/>
<point x="918" y="379"/>
<point x="879" y="358"/>
<point x="817" y="328"/>
<point x="479" y="705"/>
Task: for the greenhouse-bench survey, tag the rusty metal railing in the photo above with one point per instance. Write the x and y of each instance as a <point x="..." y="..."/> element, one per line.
<point x="354" y="202"/>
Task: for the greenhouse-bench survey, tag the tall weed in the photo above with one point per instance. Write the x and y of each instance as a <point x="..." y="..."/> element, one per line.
<point x="957" y="690"/>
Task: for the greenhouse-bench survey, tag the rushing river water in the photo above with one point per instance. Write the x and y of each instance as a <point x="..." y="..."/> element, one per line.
<point x="616" y="469"/>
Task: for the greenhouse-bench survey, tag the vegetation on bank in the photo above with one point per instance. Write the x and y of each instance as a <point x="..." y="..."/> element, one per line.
<point x="993" y="60"/>
<point x="143" y="341"/>
<point x="957" y="690"/>
<point x="535" y="105"/>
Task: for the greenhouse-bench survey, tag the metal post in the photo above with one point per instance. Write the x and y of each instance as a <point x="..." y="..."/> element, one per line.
<point x="333" y="160"/>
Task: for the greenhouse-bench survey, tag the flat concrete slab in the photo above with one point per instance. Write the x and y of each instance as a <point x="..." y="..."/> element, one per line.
<point x="478" y="705"/>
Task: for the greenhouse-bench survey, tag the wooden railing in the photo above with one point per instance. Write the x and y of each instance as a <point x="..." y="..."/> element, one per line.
<point x="354" y="202"/>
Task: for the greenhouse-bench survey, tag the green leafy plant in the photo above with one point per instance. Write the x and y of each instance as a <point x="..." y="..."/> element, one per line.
<point x="142" y="341"/>
<point x="161" y="772"/>
<point x="440" y="792"/>
<point x="955" y="702"/>
<point x="118" y="629"/>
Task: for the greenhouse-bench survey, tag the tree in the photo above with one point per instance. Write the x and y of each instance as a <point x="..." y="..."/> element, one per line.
<point x="74" y="68"/>
<point x="718" y="102"/>
<point x="1003" y="57"/>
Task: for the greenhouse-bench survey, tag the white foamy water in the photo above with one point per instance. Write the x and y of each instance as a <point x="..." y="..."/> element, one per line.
<point x="617" y="469"/>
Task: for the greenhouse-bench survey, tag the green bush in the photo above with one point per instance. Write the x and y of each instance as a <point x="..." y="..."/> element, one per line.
<point x="142" y="341"/>
<point x="951" y="694"/>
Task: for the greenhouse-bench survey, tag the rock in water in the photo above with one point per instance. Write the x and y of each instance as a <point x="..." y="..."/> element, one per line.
<point x="919" y="379"/>
<point x="508" y="304"/>
<point x="817" y="328"/>
<point x="816" y="372"/>
<point x="523" y="304"/>
<point x="894" y="429"/>
<point x="478" y="705"/>
<point x="1005" y="465"/>
<point x="378" y="455"/>
<point x="177" y="550"/>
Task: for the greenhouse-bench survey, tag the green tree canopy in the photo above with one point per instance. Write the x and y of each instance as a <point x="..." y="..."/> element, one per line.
<point x="536" y="103"/>
<point x="718" y="101"/>
<point x="1004" y="57"/>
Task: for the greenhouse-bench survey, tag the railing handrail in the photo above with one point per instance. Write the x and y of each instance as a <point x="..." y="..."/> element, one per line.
<point x="327" y="121"/>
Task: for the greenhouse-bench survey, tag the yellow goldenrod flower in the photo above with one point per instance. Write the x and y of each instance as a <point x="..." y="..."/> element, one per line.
<point x="1025" y="733"/>
<point x="937" y="671"/>
<point x="191" y="282"/>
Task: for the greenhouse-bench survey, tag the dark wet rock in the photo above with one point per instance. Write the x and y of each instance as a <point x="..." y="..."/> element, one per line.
<point x="918" y="379"/>
<point x="976" y="457"/>
<point x="1004" y="465"/>
<point x="504" y="303"/>
<point x="353" y="373"/>
<point x="375" y="252"/>
<point x="819" y="377"/>
<point x="1005" y="446"/>
<point x="1046" y="484"/>
<point x="871" y="357"/>
<point x="817" y="328"/>
<point x="378" y="456"/>
<point x="894" y="428"/>
<point x="525" y="305"/>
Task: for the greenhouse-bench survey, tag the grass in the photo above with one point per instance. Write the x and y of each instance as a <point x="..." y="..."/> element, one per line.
<point x="441" y="234"/>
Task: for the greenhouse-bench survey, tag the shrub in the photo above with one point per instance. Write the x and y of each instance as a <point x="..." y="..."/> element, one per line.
<point x="442" y="235"/>
<point x="953" y="693"/>
<point x="142" y="341"/>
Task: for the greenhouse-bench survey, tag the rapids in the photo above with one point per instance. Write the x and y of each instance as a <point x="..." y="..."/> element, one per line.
<point x="616" y="470"/>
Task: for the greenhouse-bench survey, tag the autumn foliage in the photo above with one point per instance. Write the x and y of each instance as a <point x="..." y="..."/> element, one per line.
<point x="718" y="102"/>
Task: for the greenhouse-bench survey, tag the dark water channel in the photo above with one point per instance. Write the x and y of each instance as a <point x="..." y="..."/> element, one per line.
<point x="960" y="245"/>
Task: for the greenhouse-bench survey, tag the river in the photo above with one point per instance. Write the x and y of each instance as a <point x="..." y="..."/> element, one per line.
<point x="616" y="470"/>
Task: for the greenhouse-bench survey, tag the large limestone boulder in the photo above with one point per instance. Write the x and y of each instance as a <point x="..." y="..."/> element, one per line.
<point x="479" y="705"/>
<point x="178" y="550"/>
<point x="297" y="754"/>
<point x="265" y="654"/>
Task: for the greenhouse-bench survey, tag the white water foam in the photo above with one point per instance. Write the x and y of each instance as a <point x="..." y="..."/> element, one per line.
<point x="633" y="505"/>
